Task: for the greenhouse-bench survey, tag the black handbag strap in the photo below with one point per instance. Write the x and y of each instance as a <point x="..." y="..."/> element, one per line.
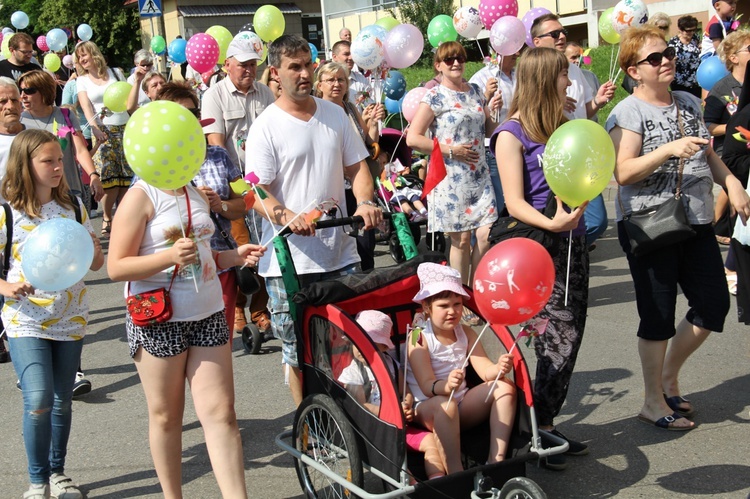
<point x="680" y="168"/>
<point x="8" y="239"/>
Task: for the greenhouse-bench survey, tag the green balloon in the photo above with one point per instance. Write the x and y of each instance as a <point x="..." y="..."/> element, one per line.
<point x="158" y="44"/>
<point x="387" y="22"/>
<point x="441" y="30"/>
<point x="579" y="161"/>
<point x="269" y="23"/>
<point x="116" y="96"/>
<point x="223" y="37"/>
<point x="164" y="144"/>
<point x="607" y="29"/>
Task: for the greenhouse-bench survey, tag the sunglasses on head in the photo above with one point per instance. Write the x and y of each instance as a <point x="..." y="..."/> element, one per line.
<point x="450" y="60"/>
<point x="655" y="58"/>
<point x="555" y="34"/>
<point x="29" y="90"/>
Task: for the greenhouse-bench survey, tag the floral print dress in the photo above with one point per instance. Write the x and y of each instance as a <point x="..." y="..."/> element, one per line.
<point x="464" y="200"/>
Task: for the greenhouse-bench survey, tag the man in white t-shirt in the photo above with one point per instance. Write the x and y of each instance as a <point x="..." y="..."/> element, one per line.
<point x="301" y="148"/>
<point x="547" y="31"/>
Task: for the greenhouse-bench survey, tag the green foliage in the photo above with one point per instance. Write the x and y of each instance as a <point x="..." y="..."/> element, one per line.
<point x="420" y="13"/>
<point x="116" y="28"/>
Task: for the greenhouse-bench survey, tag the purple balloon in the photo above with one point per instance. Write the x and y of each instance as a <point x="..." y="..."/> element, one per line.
<point x="403" y="46"/>
<point x="507" y="35"/>
<point x="528" y="20"/>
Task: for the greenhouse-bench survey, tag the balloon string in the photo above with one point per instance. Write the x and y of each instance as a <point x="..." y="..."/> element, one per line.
<point x="611" y="62"/>
<point x="480" y="48"/>
<point x="3" y="332"/>
<point x="567" y="275"/>
<point x="496" y="112"/>
<point x="494" y="383"/>
<point x="468" y="356"/>
<point x="295" y="217"/>
<point x="182" y="227"/>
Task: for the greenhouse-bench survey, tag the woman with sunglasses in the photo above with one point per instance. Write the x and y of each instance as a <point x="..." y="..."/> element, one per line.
<point x="463" y="204"/>
<point x="332" y="84"/>
<point x="656" y="134"/>
<point x="688" y="47"/>
<point x="38" y="91"/>
<point x="144" y="64"/>
<point x="106" y="126"/>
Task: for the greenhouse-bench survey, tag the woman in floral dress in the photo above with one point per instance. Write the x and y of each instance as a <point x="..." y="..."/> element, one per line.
<point x="463" y="203"/>
<point x="688" y="47"/>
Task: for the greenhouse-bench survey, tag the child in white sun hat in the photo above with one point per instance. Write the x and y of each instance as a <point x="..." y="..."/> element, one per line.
<point x="436" y="369"/>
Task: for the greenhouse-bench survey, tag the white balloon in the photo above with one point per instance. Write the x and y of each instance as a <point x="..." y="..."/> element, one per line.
<point x="629" y="14"/>
<point x="467" y="22"/>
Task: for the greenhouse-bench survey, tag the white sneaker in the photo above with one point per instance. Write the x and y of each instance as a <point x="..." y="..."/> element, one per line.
<point x="38" y="491"/>
<point x="62" y="487"/>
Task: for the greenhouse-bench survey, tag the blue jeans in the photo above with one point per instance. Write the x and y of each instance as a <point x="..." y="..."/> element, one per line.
<point x="595" y="217"/>
<point x="495" y="177"/>
<point x="47" y="371"/>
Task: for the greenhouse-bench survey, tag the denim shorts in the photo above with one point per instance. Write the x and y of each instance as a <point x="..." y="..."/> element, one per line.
<point x="696" y="266"/>
<point x="281" y="321"/>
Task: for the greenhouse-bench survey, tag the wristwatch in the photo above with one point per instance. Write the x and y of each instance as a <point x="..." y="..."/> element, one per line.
<point x="224" y="206"/>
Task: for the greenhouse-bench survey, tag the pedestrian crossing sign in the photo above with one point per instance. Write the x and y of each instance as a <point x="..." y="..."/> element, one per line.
<point x="149" y="8"/>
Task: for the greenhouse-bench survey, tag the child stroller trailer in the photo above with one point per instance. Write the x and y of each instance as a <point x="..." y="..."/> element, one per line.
<point x="335" y="439"/>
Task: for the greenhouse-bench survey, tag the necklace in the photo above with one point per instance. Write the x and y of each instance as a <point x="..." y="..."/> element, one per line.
<point x="45" y="123"/>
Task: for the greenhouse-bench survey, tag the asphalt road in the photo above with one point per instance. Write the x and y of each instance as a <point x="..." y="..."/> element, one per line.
<point x="109" y="455"/>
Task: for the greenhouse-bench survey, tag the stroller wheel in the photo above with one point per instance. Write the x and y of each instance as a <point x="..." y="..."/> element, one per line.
<point x="323" y="433"/>
<point x="397" y="252"/>
<point x="435" y="241"/>
<point x="252" y="339"/>
<point x="521" y="488"/>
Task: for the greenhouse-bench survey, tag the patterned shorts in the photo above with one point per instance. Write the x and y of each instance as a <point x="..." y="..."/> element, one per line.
<point x="172" y="338"/>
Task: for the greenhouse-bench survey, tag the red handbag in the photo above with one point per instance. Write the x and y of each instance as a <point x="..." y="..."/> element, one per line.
<point x="154" y="307"/>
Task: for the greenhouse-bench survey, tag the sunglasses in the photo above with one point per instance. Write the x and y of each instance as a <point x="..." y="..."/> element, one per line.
<point x="555" y="34"/>
<point x="450" y="60"/>
<point x="743" y="49"/>
<point x="29" y="91"/>
<point x="196" y="112"/>
<point x="689" y="30"/>
<point x="655" y="58"/>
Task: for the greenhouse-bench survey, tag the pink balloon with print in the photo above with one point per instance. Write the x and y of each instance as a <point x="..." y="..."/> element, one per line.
<point x="528" y="20"/>
<point x="411" y="102"/>
<point x="507" y="35"/>
<point x="202" y="52"/>
<point x="41" y="42"/>
<point x="492" y="10"/>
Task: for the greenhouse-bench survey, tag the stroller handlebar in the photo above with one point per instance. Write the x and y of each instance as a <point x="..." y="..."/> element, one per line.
<point x="336" y="222"/>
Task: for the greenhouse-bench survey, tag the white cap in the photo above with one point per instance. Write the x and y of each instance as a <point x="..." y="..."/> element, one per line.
<point x="242" y="49"/>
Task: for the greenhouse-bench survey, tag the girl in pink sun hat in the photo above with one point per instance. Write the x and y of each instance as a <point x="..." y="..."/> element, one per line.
<point x="436" y="370"/>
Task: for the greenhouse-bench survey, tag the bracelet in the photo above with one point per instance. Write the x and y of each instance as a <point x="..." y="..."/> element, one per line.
<point x="433" y="387"/>
<point x="367" y="202"/>
<point x="450" y="152"/>
<point x="94" y="173"/>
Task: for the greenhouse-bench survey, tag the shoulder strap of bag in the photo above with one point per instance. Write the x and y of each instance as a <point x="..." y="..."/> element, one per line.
<point x="680" y="168"/>
<point x="76" y="208"/>
<point x="9" y="239"/>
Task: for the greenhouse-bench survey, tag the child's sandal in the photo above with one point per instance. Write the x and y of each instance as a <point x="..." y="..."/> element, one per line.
<point x="106" y="227"/>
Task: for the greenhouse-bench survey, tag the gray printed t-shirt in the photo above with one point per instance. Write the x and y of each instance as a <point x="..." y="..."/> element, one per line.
<point x="658" y="125"/>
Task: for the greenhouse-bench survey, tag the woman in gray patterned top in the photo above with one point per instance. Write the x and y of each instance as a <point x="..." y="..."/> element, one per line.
<point x="653" y="131"/>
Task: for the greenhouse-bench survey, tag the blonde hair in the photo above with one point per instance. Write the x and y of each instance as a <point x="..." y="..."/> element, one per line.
<point x="537" y="73"/>
<point x="731" y="44"/>
<point x="96" y="55"/>
<point x="18" y="186"/>
<point x="329" y="68"/>
<point x="633" y="40"/>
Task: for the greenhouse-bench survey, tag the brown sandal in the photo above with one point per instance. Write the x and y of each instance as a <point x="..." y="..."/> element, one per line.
<point x="106" y="227"/>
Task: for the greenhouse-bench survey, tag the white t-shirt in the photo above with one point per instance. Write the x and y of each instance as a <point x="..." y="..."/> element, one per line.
<point x="353" y="375"/>
<point x="580" y="91"/>
<point x="302" y="162"/>
<point x="95" y="94"/>
<point x="142" y="97"/>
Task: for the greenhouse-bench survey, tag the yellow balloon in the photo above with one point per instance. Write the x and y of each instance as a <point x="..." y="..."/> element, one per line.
<point x="4" y="49"/>
<point x="52" y="62"/>
<point x="269" y="23"/>
<point x="223" y="37"/>
<point x="116" y="96"/>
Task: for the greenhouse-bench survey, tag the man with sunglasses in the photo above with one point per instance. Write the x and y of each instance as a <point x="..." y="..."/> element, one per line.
<point x="547" y="31"/>
<point x="19" y="62"/>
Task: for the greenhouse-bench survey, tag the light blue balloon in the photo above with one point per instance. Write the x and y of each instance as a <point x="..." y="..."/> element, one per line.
<point x="394" y="106"/>
<point x="710" y="71"/>
<point x="84" y="32"/>
<point x="313" y="51"/>
<point x="395" y="85"/>
<point x="8" y="31"/>
<point x="57" y="254"/>
<point x="376" y="30"/>
<point x="57" y="39"/>
<point x="19" y="19"/>
<point x="177" y="50"/>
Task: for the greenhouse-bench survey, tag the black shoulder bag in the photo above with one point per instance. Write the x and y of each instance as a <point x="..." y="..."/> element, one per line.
<point x="659" y="226"/>
<point x="508" y="227"/>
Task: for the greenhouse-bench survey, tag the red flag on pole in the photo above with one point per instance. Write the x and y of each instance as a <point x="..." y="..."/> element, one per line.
<point x="435" y="169"/>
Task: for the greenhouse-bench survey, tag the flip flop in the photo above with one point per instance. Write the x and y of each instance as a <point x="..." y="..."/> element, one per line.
<point x="666" y="422"/>
<point x="674" y="404"/>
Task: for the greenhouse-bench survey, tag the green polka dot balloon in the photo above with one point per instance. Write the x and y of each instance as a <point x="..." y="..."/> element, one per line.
<point x="164" y="144"/>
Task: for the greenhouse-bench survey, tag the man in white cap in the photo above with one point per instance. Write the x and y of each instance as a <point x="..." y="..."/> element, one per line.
<point x="237" y="100"/>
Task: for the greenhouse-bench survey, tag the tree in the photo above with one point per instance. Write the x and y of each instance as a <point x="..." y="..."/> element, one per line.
<point x="116" y="28"/>
<point x="420" y="13"/>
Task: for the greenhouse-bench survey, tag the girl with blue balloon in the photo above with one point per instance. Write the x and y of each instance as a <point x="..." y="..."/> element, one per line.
<point x="46" y="309"/>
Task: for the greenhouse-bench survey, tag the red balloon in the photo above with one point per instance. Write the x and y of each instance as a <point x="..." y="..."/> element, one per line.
<point x="513" y="281"/>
